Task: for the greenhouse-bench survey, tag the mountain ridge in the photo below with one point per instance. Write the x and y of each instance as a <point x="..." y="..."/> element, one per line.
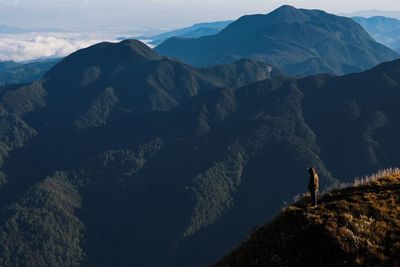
<point x="159" y="83"/>
<point x="24" y="72"/>
<point x="298" y="41"/>
<point x="195" y="31"/>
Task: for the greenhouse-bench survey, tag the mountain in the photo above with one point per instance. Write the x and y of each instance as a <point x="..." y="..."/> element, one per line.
<point x="122" y="157"/>
<point x="118" y="89"/>
<point x="140" y="79"/>
<point x="13" y="73"/>
<point x="382" y="29"/>
<point x="298" y="41"/>
<point x="195" y="31"/>
<point x="354" y="226"/>
<point x="373" y="13"/>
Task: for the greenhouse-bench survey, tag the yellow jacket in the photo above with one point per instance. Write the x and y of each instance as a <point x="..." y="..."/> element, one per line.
<point x="313" y="184"/>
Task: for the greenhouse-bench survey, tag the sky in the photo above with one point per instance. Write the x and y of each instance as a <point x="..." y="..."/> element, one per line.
<point x="156" y="15"/>
<point x="79" y="23"/>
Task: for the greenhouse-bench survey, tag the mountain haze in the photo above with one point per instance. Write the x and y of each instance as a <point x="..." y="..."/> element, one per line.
<point x="298" y="41"/>
<point x="194" y="31"/>
<point x="384" y="30"/>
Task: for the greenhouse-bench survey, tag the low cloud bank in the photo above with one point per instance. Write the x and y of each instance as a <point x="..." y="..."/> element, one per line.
<point x="26" y="47"/>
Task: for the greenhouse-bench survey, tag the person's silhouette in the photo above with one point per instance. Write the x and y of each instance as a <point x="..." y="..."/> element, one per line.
<point x="313" y="185"/>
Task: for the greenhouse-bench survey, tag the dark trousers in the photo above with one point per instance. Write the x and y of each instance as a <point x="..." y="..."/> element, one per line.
<point x="313" y="197"/>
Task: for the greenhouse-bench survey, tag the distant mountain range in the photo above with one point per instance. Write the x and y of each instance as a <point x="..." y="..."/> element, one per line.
<point x="298" y="41"/>
<point x="16" y="73"/>
<point x="194" y="31"/>
<point x="122" y="157"/>
<point x="374" y="13"/>
<point x="382" y="29"/>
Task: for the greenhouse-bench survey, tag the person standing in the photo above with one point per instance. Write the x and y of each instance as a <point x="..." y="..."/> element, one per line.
<point x="313" y="185"/>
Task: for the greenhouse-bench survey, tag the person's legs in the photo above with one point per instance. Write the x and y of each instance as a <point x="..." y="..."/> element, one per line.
<point x="313" y="198"/>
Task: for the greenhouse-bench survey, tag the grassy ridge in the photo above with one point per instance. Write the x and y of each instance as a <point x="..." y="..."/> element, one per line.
<point x="357" y="225"/>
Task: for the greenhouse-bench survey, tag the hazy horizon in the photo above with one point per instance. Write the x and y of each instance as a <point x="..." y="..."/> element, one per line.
<point x="155" y="15"/>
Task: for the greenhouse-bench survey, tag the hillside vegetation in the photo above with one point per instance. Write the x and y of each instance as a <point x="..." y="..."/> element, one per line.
<point x="357" y="225"/>
<point x="140" y="160"/>
<point x="18" y="73"/>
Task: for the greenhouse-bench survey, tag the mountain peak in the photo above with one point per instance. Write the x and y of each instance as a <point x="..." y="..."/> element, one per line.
<point x="103" y="55"/>
<point x="125" y="49"/>
<point x="138" y="48"/>
<point x="285" y="8"/>
<point x="283" y="14"/>
<point x="289" y="14"/>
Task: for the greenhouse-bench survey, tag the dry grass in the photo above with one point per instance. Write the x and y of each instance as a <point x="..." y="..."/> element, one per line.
<point x="363" y="217"/>
<point x="355" y="225"/>
<point x="363" y="180"/>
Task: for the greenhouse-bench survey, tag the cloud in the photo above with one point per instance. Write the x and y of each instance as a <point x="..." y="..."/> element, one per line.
<point x="25" y="47"/>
